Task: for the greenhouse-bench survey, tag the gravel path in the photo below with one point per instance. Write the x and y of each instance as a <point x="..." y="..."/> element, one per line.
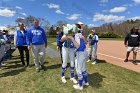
<point x="52" y="53"/>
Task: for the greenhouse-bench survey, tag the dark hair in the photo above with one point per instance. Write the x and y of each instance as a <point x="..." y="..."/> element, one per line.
<point x="134" y="28"/>
<point x="21" y="24"/>
<point x="79" y="26"/>
<point x="5" y="31"/>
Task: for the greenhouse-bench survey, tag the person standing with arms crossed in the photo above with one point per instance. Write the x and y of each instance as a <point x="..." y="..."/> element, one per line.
<point x="93" y="44"/>
<point x="20" y="42"/>
<point x="132" y="42"/>
<point x="37" y="37"/>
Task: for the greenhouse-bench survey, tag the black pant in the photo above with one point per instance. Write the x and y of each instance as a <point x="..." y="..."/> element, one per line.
<point x="60" y="47"/>
<point x="21" y="51"/>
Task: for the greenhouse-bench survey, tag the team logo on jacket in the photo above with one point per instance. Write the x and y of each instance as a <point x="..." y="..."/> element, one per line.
<point x="134" y="35"/>
<point x="37" y="32"/>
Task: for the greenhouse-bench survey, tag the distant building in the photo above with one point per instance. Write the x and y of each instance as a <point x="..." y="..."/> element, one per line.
<point x="3" y="28"/>
<point x="10" y="31"/>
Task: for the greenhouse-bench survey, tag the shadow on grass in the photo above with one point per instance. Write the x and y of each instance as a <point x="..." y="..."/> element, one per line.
<point x="13" y="62"/>
<point x="13" y="66"/>
<point x="33" y="65"/>
<point x="53" y="66"/>
<point x="12" y="72"/>
<point x="46" y="62"/>
<point x="95" y="80"/>
<point x="101" y="61"/>
<point x="12" y="50"/>
<point x="15" y="57"/>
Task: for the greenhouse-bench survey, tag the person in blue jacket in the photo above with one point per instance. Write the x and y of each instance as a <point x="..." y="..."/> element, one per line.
<point x="93" y="44"/>
<point x="8" y="44"/>
<point x="20" y="42"/>
<point x="37" y="37"/>
<point x="2" y="46"/>
<point x="59" y="43"/>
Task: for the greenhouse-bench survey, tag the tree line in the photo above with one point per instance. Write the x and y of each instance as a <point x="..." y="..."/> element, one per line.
<point x="105" y="30"/>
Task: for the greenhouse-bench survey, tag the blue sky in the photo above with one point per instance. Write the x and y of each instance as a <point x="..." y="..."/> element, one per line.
<point x="90" y="12"/>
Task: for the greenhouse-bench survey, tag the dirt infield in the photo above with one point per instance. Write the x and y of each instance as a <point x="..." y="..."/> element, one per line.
<point x="114" y="52"/>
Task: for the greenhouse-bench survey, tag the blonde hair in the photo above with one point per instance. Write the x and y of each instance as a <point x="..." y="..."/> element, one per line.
<point x="20" y="24"/>
<point x="36" y="20"/>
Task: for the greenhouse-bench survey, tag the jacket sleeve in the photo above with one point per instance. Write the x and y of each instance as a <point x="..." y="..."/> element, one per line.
<point x="44" y="36"/>
<point x="28" y="37"/>
<point x="139" y="39"/>
<point x="126" y="39"/>
<point x="15" y="38"/>
<point x="58" y="39"/>
<point x="96" y="39"/>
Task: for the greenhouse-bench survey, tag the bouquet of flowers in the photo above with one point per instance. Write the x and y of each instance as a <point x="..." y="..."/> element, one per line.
<point x="90" y="36"/>
<point x="69" y="29"/>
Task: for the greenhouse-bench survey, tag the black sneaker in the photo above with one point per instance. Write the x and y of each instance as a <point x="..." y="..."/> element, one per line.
<point x="134" y="62"/>
<point x="126" y="60"/>
<point x="42" y="67"/>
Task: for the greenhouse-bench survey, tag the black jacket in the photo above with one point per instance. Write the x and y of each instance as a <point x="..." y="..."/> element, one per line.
<point x="132" y="39"/>
<point x="59" y="36"/>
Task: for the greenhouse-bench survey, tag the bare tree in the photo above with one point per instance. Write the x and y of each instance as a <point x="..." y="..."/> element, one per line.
<point x="60" y="23"/>
<point x="28" y="21"/>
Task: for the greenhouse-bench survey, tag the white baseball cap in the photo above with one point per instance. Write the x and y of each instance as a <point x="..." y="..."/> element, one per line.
<point x="80" y="23"/>
<point x="93" y="30"/>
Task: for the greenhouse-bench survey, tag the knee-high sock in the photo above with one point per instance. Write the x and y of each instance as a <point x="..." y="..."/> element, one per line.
<point x="63" y="71"/>
<point x="85" y="76"/>
<point x="72" y="72"/>
<point x="90" y="57"/>
<point x="80" y="80"/>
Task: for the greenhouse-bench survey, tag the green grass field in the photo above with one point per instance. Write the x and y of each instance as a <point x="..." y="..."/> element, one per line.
<point x="51" y="40"/>
<point x="103" y="78"/>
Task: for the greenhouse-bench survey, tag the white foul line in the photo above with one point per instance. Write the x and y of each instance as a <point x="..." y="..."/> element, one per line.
<point x="110" y="56"/>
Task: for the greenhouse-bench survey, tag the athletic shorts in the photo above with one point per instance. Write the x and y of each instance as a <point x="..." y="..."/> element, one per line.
<point x="135" y="49"/>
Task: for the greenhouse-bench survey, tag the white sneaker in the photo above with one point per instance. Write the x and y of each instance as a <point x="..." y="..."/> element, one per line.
<point x="77" y="87"/>
<point x="63" y="79"/>
<point x="86" y="84"/>
<point x="40" y="67"/>
<point x="94" y="62"/>
<point x="37" y="70"/>
<point x="3" y="64"/>
<point x="73" y="80"/>
<point x="89" y="60"/>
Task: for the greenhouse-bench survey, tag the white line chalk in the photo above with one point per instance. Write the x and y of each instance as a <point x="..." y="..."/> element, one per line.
<point x="110" y="56"/>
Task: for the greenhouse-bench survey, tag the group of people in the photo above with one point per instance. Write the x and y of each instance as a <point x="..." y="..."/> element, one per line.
<point x="34" y="37"/>
<point x="72" y="47"/>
